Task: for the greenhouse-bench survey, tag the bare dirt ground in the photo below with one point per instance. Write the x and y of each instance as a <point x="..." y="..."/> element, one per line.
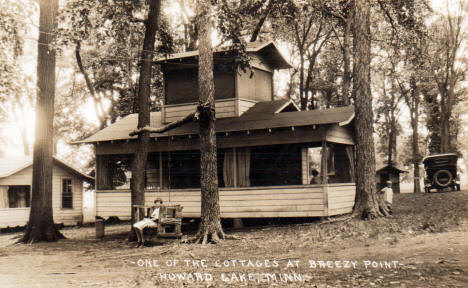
<point x="425" y="244"/>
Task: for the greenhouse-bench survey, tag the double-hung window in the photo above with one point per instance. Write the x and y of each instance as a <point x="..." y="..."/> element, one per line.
<point x="67" y="193"/>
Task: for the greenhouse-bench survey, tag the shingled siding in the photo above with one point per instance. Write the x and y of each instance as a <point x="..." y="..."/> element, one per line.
<point x="255" y="202"/>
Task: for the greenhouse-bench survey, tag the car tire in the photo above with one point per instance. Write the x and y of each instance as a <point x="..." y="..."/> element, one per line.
<point x="440" y="173"/>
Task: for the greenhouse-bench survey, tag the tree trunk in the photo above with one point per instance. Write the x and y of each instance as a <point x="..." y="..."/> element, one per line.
<point x="141" y="153"/>
<point x="367" y="203"/>
<point x="346" y="87"/>
<point x="97" y="102"/>
<point x="41" y="223"/>
<point x="433" y="122"/>
<point x="444" y="129"/>
<point x="416" y="185"/>
<point x="302" y="97"/>
<point x="210" y="225"/>
<point x="307" y="86"/>
<point x="414" y="110"/>
<point x="260" y="23"/>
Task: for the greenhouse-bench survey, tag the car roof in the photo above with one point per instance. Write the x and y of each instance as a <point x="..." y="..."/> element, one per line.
<point x="439" y="155"/>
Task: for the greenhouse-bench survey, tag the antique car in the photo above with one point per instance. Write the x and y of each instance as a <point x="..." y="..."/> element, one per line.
<point x="441" y="172"/>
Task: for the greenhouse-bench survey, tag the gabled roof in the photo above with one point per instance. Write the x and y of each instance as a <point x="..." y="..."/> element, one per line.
<point x="12" y="165"/>
<point x="391" y="167"/>
<point x="268" y="107"/>
<point x="264" y="118"/>
<point x="268" y="49"/>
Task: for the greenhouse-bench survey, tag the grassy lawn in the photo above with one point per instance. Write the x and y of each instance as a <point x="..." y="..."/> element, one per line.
<point x="423" y="245"/>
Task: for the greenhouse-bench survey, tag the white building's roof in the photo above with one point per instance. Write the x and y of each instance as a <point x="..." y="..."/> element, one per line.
<point x="12" y="165"/>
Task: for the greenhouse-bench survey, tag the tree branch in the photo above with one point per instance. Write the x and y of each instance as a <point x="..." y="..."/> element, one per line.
<point x="390" y="19"/>
<point x="98" y="103"/>
<point x="259" y="25"/>
<point x="172" y="125"/>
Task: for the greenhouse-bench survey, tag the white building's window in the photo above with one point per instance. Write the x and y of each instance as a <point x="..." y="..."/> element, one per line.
<point x="67" y="193"/>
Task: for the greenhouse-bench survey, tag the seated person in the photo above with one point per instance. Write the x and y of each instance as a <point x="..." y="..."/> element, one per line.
<point x="147" y="222"/>
<point x="315" y="177"/>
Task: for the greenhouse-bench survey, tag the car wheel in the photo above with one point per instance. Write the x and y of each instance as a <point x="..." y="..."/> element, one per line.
<point x="443" y="178"/>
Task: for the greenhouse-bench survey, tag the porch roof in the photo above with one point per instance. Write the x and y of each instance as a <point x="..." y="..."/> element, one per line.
<point x="261" y="116"/>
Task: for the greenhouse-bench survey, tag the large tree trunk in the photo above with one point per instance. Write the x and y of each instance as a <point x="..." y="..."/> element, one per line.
<point x="346" y="86"/>
<point x="41" y="223"/>
<point x="141" y="153"/>
<point x="210" y="225"/>
<point x="367" y="203"/>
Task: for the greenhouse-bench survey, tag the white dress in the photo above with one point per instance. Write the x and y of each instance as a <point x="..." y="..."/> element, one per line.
<point x="388" y="194"/>
<point x="148" y="222"/>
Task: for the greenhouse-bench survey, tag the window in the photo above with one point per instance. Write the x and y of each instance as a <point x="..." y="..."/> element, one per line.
<point x="275" y="165"/>
<point x="67" y="193"/>
<point x="18" y="196"/>
<point x="314" y="157"/>
<point x="339" y="164"/>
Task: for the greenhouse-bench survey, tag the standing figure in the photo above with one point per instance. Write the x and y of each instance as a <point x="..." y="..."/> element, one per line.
<point x="151" y="222"/>
<point x="387" y="195"/>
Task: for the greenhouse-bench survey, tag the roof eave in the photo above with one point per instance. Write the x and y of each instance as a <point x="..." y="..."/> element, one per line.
<point x="347" y="121"/>
<point x="74" y="170"/>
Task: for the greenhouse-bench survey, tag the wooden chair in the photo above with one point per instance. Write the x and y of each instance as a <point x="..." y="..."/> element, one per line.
<point x="170" y="218"/>
<point x="170" y="221"/>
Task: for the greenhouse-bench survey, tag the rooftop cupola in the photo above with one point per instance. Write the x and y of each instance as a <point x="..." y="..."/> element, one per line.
<point x="235" y="90"/>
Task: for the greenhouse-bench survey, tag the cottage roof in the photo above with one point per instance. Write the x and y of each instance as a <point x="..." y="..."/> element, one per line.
<point x="12" y="165"/>
<point x="390" y="167"/>
<point x="268" y="49"/>
<point x="261" y="116"/>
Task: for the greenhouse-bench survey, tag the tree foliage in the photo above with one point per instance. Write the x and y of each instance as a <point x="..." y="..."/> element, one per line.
<point x="107" y="36"/>
<point x="446" y="61"/>
<point x="16" y="88"/>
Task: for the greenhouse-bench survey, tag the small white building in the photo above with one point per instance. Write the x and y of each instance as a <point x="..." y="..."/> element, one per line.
<point x="15" y="192"/>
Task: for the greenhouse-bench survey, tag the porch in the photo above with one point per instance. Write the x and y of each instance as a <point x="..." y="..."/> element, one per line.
<point x="309" y="200"/>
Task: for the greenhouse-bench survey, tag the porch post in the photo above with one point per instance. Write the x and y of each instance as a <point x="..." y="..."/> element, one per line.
<point x="160" y="171"/>
<point x="324" y="165"/>
<point x="234" y="168"/>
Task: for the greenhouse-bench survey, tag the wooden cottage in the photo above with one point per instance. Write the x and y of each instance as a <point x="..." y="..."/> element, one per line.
<point x="15" y="192"/>
<point x="267" y="149"/>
